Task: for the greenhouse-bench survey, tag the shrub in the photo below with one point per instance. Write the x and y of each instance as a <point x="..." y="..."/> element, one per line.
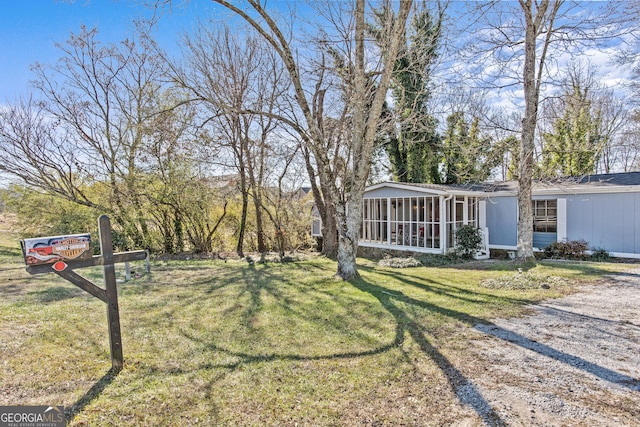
<point x="571" y="249"/>
<point x="600" y="254"/>
<point x="437" y="260"/>
<point x="468" y="241"/>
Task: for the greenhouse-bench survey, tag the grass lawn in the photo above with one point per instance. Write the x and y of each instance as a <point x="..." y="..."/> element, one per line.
<point x="228" y="343"/>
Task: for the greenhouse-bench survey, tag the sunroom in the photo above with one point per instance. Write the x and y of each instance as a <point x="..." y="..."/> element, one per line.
<point x="420" y="217"/>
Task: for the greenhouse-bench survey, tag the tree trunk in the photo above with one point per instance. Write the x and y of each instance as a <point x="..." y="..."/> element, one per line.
<point x="326" y="209"/>
<point x="364" y="107"/>
<point x="348" y="244"/>
<point x="243" y="215"/>
<point x="329" y="231"/>
<point x="262" y="246"/>
<point x="525" y="216"/>
<point x="525" y="170"/>
<point x="178" y="232"/>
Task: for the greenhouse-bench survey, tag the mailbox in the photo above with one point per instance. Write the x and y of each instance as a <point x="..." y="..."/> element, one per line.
<point x="49" y="250"/>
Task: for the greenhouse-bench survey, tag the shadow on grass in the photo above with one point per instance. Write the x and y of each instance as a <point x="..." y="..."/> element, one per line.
<point x="584" y="267"/>
<point x="93" y="393"/>
<point x="257" y="283"/>
<point x="11" y="252"/>
<point x="248" y="358"/>
<point x="466" y="392"/>
<point x="56" y="293"/>
<point x="252" y="284"/>
<point x="385" y="297"/>
<point x="446" y="290"/>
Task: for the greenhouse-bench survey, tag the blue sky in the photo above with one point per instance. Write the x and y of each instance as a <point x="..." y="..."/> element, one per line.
<point x="29" y="30"/>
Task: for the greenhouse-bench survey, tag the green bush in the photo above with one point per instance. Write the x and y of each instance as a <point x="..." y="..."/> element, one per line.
<point x="468" y="241"/>
<point x="571" y="249"/>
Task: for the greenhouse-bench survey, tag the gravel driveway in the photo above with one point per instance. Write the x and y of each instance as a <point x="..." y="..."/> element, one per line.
<point x="575" y="362"/>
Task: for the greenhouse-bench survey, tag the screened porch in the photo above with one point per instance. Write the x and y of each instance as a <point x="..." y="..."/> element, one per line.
<point x="420" y="223"/>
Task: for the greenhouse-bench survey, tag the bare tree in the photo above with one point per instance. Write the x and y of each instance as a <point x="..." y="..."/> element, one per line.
<point x="184" y="204"/>
<point x="523" y="42"/>
<point x="363" y="95"/>
<point x="89" y="127"/>
<point x="615" y="115"/>
<point x="277" y="198"/>
<point x="628" y="145"/>
<point x="238" y="81"/>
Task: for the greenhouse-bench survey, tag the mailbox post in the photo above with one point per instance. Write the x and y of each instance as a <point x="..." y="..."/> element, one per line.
<point x="64" y="254"/>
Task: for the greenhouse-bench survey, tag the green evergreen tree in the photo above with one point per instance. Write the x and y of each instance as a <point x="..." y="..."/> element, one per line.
<point x="468" y="156"/>
<point x="413" y="144"/>
<point x="575" y="144"/>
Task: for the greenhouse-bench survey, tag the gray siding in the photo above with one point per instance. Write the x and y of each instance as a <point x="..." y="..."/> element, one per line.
<point x="502" y="221"/>
<point x="605" y="220"/>
<point x="637" y="223"/>
<point x="542" y="240"/>
<point x="609" y="221"/>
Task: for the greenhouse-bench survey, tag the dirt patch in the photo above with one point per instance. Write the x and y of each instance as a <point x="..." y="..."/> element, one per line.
<point x="576" y="361"/>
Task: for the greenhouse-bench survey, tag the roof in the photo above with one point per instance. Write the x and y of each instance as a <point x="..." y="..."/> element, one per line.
<point x="439" y="189"/>
<point x="611" y="182"/>
<point x="626" y="178"/>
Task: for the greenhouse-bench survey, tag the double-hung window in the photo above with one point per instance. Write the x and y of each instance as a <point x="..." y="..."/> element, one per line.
<point x="545" y="216"/>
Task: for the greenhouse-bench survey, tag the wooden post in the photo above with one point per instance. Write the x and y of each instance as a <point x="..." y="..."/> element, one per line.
<point x="113" y="315"/>
<point x="61" y="257"/>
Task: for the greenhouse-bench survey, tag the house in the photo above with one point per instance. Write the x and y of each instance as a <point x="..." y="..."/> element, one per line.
<point x="421" y="217"/>
<point x="603" y="209"/>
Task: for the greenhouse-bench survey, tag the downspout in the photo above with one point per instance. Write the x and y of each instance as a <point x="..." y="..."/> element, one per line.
<point x="443" y="222"/>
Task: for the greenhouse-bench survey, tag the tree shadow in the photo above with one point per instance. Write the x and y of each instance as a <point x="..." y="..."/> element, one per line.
<point x="56" y="293"/>
<point x="463" y="388"/>
<point x="446" y="290"/>
<point x="566" y="358"/>
<point x="11" y="252"/>
<point x="466" y="392"/>
<point x="582" y="267"/>
<point x="548" y="309"/>
<point x="243" y="358"/>
<point x="256" y="283"/>
<point x="253" y="283"/>
<point x="631" y="275"/>
<point x="93" y="393"/>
